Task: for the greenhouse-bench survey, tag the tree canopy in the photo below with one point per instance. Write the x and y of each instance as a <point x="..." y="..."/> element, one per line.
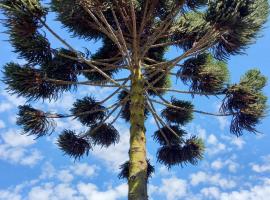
<point x="135" y="35"/>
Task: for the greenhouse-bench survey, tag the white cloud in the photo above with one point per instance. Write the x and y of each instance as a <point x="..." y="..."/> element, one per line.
<point x="50" y="191"/>
<point x="229" y="163"/>
<point x="48" y="187"/>
<point x="211" y="192"/>
<point x="116" y="155"/>
<point x="8" y="195"/>
<point x="214" y="179"/>
<point x="83" y="169"/>
<point x="42" y="193"/>
<point x="213" y="145"/>
<point x="201" y="132"/>
<point x="91" y="192"/>
<point x="265" y="167"/>
<point x="15" y="148"/>
<point x="163" y="171"/>
<point x="233" y="166"/>
<point x="64" y="103"/>
<point x="173" y="188"/>
<point x="223" y="122"/>
<point x="198" y="178"/>
<point x="212" y="140"/>
<point x="238" y="142"/>
<point x="261" y="168"/>
<point x="255" y="192"/>
<point x="2" y="124"/>
<point x="14" y="100"/>
<point x="48" y="171"/>
<point x="152" y="189"/>
<point x="5" y="107"/>
<point x="32" y="158"/>
<point x="15" y="139"/>
<point x="65" y="176"/>
<point x="217" y="164"/>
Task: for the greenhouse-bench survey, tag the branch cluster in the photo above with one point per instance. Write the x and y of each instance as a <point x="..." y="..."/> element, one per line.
<point x="247" y="102"/>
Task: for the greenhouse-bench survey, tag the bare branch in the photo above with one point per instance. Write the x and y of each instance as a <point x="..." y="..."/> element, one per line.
<point x="155" y="116"/>
<point x="187" y="92"/>
<point x="143" y="23"/>
<point x="134" y="32"/>
<point x="60" y="116"/>
<point x="162" y="28"/>
<point x="118" y="104"/>
<point x="165" y="44"/>
<point x="121" y="35"/>
<point x="161" y="121"/>
<point x="196" y="111"/>
<point x="89" y="83"/>
<point x="119" y="113"/>
<point x="115" y="92"/>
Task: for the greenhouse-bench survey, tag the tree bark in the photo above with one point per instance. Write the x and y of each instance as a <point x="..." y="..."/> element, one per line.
<point x="137" y="164"/>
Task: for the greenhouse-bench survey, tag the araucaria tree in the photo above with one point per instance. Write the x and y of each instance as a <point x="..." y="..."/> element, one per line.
<point x="136" y="34"/>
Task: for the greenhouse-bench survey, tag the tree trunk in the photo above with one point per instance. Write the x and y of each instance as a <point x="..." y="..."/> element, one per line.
<point x="137" y="181"/>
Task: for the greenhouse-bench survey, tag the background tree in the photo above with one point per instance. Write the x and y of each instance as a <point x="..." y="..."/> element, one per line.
<point x="136" y="35"/>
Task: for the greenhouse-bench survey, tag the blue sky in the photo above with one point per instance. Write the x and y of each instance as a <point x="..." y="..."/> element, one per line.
<point x="233" y="168"/>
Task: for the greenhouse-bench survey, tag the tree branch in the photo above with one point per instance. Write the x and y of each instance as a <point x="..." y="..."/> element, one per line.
<point x="161" y="121"/>
<point x="187" y="92"/>
<point x="196" y="111"/>
<point x="60" y="116"/>
<point x="118" y="104"/>
<point x="163" y="27"/>
<point x="155" y="116"/>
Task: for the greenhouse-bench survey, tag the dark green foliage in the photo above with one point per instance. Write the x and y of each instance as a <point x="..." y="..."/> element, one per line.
<point x="75" y="18"/>
<point x="83" y="109"/>
<point x="156" y="78"/>
<point x="163" y="7"/>
<point x="189" y="29"/>
<point x="238" y="21"/>
<point x="169" y="155"/>
<point x="254" y="79"/>
<point x="157" y="53"/>
<point x="73" y="145"/>
<point x="173" y="155"/>
<point x="125" y="113"/>
<point x="34" y="122"/>
<point x="29" y="82"/>
<point x="193" y="151"/>
<point x="246" y="102"/>
<point x="62" y="68"/>
<point x="204" y="73"/>
<point x="178" y="116"/>
<point x="124" y="173"/>
<point x="173" y="139"/>
<point x="23" y="22"/>
<point x="104" y="135"/>
<point x="247" y="105"/>
<point x="35" y="48"/>
<point x="107" y="51"/>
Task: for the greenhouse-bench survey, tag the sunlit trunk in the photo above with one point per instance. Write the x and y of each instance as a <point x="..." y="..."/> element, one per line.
<point x="138" y="166"/>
